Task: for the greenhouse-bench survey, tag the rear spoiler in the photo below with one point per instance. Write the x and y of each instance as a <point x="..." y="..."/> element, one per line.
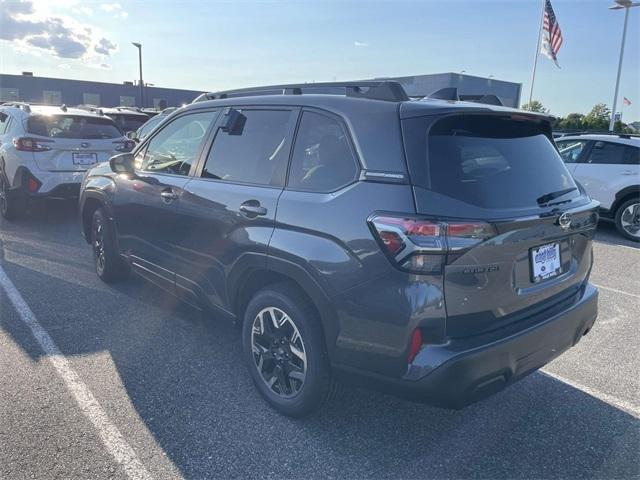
<point x="451" y="94"/>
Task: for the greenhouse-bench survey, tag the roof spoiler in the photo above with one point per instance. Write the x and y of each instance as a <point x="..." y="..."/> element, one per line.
<point x="451" y="94"/>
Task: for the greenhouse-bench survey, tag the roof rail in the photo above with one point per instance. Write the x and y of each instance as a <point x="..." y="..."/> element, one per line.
<point x="386" y="90"/>
<point x="90" y="108"/>
<point x="22" y="105"/>
<point x="597" y="132"/>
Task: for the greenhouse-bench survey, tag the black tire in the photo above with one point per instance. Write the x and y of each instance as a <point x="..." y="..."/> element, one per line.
<point x="318" y="384"/>
<point x="628" y="219"/>
<point x="12" y="205"/>
<point x="110" y="266"/>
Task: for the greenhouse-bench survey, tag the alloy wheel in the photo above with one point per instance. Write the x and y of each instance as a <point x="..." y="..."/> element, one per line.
<point x="98" y="244"/>
<point x="278" y="352"/>
<point x="630" y="220"/>
<point x="4" y="204"/>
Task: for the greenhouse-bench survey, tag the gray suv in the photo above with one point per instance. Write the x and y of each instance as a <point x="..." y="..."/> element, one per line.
<point x="436" y="249"/>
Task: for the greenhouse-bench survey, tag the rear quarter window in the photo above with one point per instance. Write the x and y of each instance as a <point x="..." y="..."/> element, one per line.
<point x="70" y="126"/>
<point x="492" y="162"/>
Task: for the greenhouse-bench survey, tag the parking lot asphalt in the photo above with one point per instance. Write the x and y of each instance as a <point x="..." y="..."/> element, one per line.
<point x="166" y="382"/>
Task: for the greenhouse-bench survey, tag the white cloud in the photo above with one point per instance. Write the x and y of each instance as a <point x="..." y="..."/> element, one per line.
<point x="360" y="44"/>
<point x="83" y="10"/>
<point x="27" y="26"/>
<point x="64" y="66"/>
<point x="114" y="8"/>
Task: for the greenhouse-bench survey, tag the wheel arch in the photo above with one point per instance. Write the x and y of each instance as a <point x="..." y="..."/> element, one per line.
<point x="244" y="286"/>
<point x="91" y="201"/>
<point x="624" y="195"/>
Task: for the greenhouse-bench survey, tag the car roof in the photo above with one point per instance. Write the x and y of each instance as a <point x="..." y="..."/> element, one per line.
<point x="603" y="137"/>
<point x="122" y="111"/>
<point x="25" y="110"/>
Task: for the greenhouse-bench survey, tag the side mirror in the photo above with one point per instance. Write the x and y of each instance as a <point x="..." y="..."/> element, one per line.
<point x="132" y="135"/>
<point x="122" y="163"/>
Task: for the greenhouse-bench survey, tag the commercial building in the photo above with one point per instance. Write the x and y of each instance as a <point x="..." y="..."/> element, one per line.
<point x="468" y="85"/>
<point x="58" y="91"/>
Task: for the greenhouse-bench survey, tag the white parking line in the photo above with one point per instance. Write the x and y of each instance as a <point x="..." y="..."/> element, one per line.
<point x="631" y="408"/>
<point x="617" y="291"/>
<point x="108" y="432"/>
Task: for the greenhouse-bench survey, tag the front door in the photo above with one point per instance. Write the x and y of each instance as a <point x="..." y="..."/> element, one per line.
<point x="228" y="211"/>
<point x="146" y="204"/>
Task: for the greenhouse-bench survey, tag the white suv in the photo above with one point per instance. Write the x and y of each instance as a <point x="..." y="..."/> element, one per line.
<point x="45" y="150"/>
<point x="608" y="166"/>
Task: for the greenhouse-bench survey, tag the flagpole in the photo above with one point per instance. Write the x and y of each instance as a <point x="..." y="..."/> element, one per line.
<point x="535" y="58"/>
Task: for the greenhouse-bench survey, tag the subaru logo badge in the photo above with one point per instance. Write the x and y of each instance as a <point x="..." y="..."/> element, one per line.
<point x="85" y="145"/>
<point x="564" y="221"/>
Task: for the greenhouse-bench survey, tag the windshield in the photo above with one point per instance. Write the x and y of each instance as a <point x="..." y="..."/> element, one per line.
<point x="70" y="126"/>
<point x="496" y="162"/>
<point x="146" y="128"/>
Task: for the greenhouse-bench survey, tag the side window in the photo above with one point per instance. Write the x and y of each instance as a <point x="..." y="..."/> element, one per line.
<point x="4" y="122"/>
<point x="174" y="148"/>
<point x="632" y="155"/>
<point x="570" y="150"/>
<point x="607" y="153"/>
<point x="257" y="154"/>
<point x="323" y="160"/>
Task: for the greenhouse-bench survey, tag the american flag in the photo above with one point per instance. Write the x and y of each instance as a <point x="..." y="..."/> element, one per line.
<point x="552" y="35"/>
<point x="626" y="101"/>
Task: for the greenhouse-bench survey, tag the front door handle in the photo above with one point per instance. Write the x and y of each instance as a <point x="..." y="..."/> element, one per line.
<point x="168" y="195"/>
<point x="252" y="209"/>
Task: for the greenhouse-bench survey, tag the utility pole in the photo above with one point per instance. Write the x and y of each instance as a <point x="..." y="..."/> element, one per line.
<point x="140" y="82"/>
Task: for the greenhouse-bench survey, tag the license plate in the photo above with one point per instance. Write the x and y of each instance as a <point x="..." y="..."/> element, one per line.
<point x="85" y="158"/>
<point x="545" y="262"/>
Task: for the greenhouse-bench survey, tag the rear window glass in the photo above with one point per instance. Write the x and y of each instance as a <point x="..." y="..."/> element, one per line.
<point x="495" y="162"/>
<point x="69" y="126"/>
<point x="129" y="122"/>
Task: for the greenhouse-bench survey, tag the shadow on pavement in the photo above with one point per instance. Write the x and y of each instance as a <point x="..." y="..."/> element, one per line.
<point x="183" y="375"/>
<point x="607" y="233"/>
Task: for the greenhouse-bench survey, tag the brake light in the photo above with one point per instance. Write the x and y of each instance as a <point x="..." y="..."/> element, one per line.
<point x="424" y="246"/>
<point x="28" y="144"/>
<point x="124" y="145"/>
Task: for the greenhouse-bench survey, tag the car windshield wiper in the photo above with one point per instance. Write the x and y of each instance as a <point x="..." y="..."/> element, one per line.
<point x="547" y="197"/>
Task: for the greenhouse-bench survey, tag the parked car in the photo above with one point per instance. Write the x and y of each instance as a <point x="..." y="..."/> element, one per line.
<point x="436" y="249"/>
<point x="45" y="150"/>
<point x="147" y="127"/>
<point x="128" y="119"/>
<point x="609" y="168"/>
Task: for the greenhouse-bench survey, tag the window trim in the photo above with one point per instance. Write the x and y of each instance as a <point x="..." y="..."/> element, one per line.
<point x="296" y="110"/>
<point x="349" y="137"/>
<point x="198" y="158"/>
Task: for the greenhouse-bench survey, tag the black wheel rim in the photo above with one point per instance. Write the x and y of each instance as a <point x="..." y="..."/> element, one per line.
<point x="278" y="352"/>
<point x="98" y="244"/>
<point x="3" y="195"/>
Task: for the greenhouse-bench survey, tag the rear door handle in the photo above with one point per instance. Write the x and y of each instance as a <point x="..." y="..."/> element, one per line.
<point x="629" y="172"/>
<point x="169" y="195"/>
<point x="253" y="209"/>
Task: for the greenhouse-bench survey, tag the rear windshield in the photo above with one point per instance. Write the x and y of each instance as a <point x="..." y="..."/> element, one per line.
<point x="129" y="122"/>
<point x="496" y="162"/>
<point x="70" y="126"/>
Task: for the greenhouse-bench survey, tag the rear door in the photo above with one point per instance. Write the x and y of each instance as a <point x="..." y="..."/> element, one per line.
<point x="227" y="212"/>
<point x="503" y="175"/>
<point x="73" y="142"/>
<point x="146" y="204"/>
<point x="606" y="169"/>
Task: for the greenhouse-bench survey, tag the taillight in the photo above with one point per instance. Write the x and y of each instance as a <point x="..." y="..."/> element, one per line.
<point x="28" y="144"/>
<point x="124" y="145"/>
<point x="33" y="185"/>
<point x="424" y="246"/>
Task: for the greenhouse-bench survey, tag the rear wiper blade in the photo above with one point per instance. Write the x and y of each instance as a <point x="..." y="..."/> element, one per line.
<point x="547" y="197"/>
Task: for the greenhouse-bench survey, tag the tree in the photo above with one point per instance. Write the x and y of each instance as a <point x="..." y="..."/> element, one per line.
<point x="535" y="106"/>
<point x="598" y="118"/>
<point x="573" y="121"/>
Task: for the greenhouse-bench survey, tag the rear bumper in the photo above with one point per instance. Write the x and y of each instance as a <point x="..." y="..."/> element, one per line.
<point x="50" y="184"/>
<point x="462" y="372"/>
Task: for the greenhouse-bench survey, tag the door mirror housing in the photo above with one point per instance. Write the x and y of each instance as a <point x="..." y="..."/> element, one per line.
<point x="132" y="135"/>
<point x="122" y="163"/>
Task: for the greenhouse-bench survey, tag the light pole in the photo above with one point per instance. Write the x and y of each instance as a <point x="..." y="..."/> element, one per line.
<point x="626" y="4"/>
<point x="141" y="83"/>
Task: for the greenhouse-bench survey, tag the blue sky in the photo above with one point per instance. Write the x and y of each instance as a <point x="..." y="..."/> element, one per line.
<point x="209" y="45"/>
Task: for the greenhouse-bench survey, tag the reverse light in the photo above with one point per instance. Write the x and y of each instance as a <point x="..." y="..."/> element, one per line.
<point x="124" y="145"/>
<point x="28" y="144"/>
<point x="423" y="245"/>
